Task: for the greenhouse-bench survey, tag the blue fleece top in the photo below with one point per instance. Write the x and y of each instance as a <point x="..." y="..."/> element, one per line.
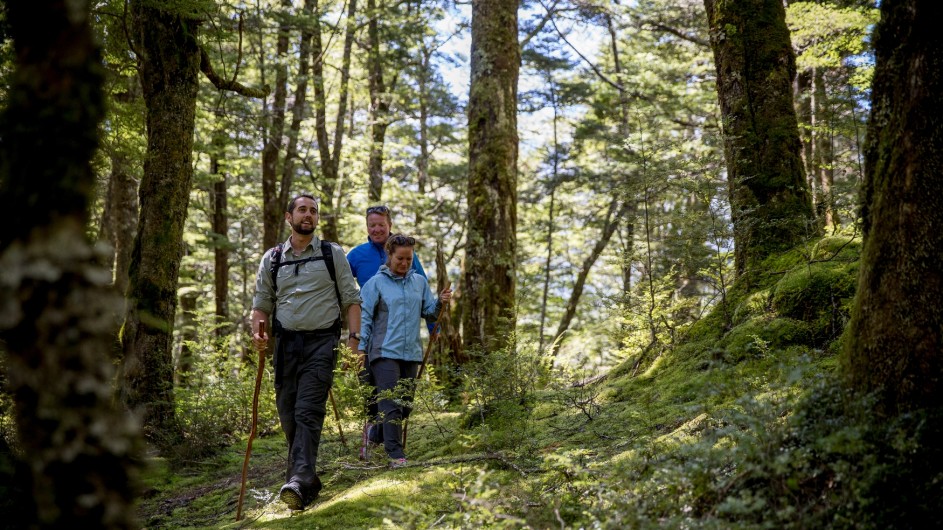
<point x="365" y="260"/>
<point x="391" y="310"/>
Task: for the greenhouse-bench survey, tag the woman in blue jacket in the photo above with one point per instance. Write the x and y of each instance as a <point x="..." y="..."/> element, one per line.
<point x="395" y="301"/>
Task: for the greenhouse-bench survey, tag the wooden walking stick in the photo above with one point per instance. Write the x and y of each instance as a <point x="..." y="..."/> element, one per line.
<point x="255" y="419"/>
<point x="338" y="418"/>
<point x="425" y="355"/>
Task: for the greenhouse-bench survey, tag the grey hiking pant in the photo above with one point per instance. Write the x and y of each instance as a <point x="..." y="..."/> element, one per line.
<point x="397" y="376"/>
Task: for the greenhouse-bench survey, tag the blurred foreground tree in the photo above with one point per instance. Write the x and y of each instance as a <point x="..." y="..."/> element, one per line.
<point x="56" y="316"/>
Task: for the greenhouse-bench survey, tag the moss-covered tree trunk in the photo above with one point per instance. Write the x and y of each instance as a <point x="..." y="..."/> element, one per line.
<point x="488" y="289"/>
<point x="770" y="200"/>
<point x="56" y="299"/>
<point x="169" y="65"/>
<point x="895" y="338"/>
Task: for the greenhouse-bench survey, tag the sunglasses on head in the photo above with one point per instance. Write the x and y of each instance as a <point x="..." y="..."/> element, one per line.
<point x="400" y="239"/>
<point x="377" y="209"/>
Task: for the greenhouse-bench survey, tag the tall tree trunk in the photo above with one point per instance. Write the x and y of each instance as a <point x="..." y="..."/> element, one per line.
<point x="273" y="217"/>
<point x="120" y="218"/>
<point x="770" y="202"/>
<point x="547" y="264"/>
<point x="330" y="155"/>
<point x="422" y="163"/>
<point x="803" y="100"/>
<point x="298" y="106"/>
<point x="221" y="250"/>
<point x="169" y="66"/>
<point x="555" y="173"/>
<point x="895" y="338"/>
<point x="188" y="335"/>
<point x="490" y="259"/>
<point x="824" y="156"/>
<point x="627" y="232"/>
<point x="379" y="104"/>
<point x="56" y="321"/>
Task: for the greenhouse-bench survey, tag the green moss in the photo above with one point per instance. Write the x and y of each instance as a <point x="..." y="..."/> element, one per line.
<point x="820" y="295"/>
<point x="761" y="336"/>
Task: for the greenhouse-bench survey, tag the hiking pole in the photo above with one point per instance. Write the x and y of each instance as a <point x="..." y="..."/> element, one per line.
<point x="337" y="417"/>
<point x="255" y="419"/>
<point x="425" y="355"/>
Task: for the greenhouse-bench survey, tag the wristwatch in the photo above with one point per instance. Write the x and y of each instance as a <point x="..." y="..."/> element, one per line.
<point x="353" y="335"/>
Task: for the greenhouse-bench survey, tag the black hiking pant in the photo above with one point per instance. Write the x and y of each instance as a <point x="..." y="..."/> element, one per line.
<point x="304" y="372"/>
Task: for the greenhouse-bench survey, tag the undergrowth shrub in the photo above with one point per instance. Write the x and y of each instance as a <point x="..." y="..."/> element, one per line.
<point x="500" y="388"/>
<point x="214" y="408"/>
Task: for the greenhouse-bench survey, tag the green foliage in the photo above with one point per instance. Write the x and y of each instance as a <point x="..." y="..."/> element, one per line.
<point x="826" y="34"/>
<point x="501" y="391"/>
<point x="214" y="408"/>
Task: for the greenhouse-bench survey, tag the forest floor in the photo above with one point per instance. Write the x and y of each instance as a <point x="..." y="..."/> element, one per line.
<point x="658" y="441"/>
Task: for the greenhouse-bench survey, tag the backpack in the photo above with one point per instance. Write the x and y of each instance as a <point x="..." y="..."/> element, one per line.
<point x="326" y="254"/>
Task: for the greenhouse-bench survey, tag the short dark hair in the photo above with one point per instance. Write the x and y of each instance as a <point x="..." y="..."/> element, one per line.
<point x="382" y="210"/>
<point x="398" y="240"/>
<point x="294" y="200"/>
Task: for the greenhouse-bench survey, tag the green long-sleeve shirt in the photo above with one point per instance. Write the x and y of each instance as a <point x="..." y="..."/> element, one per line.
<point x="305" y="300"/>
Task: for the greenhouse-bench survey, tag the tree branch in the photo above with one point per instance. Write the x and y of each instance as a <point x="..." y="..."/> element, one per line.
<point x="657" y="26"/>
<point x="207" y="68"/>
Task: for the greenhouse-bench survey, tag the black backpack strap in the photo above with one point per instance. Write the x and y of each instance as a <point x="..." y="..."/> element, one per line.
<point x="276" y="262"/>
<point x="326" y="254"/>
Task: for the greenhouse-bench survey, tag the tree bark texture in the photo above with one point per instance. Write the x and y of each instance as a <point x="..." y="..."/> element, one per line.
<point x="221" y="250"/>
<point x="824" y="155"/>
<point x="188" y="336"/>
<point x="169" y="66"/>
<point x="56" y="299"/>
<point x="895" y="336"/>
<point x="273" y="208"/>
<point x="448" y="350"/>
<point x="489" y="283"/>
<point x="122" y="217"/>
<point x="770" y="200"/>
<point x="330" y="156"/>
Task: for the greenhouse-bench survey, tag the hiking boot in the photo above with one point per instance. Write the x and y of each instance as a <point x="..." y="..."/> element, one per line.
<point x="398" y="462"/>
<point x="290" y="494"/>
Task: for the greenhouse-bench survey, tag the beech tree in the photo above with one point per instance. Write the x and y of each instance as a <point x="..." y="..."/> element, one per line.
<point x="56" y="316"/>
<point x="770" y="201"/>
<point x="490" y="260"/>
<point x="895" y="337"/>
<point x="170" y="59"/>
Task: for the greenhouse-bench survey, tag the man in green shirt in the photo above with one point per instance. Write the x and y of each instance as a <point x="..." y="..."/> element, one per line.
<point x="303" y="304"/>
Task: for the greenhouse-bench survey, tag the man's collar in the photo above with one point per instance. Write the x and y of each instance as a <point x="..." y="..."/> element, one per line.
<point x="315" y="243"/>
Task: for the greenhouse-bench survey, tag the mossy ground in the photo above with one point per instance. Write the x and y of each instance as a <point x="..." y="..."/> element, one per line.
<point x="700" y="437"/>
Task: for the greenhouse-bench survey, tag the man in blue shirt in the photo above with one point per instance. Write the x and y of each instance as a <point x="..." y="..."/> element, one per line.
<point x="365" y="261"/>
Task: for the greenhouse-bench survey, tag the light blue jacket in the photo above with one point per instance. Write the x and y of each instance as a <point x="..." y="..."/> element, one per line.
<point x="391" y="311"/>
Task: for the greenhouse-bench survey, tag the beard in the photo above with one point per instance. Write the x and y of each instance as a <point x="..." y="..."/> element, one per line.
<point x="299" y="228"/>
